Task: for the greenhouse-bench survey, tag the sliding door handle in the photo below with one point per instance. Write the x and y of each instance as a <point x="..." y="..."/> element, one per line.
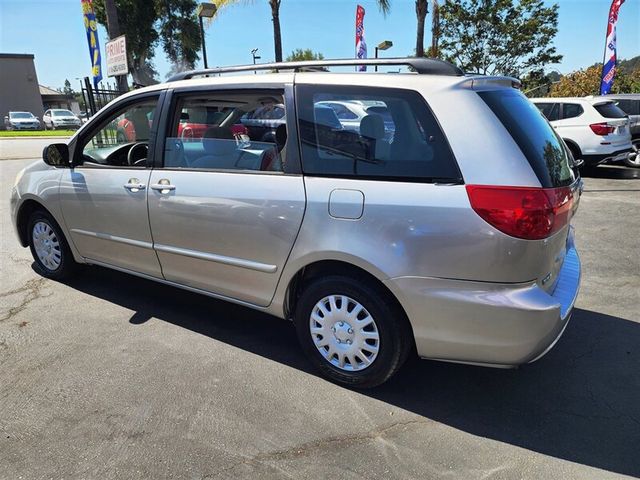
<point x="163" y="187"/>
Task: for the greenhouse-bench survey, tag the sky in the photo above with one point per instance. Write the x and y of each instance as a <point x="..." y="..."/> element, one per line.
<point x="53" y="31"/>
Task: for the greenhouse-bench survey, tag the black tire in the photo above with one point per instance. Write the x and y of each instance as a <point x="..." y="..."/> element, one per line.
<point x="395" y="336"/>
<point x="636" y="162"/>
<point x="66" y="264"/>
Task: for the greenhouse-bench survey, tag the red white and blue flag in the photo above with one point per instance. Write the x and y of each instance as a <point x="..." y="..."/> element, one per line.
<point x="609" y="63"/>
<point x="361" y="45"/>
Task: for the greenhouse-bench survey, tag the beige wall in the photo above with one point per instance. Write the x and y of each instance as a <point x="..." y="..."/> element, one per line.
<point x="19" y="85"/>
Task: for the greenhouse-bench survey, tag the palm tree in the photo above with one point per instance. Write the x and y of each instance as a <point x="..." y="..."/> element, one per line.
<point x="422" y="8"/>
<point x="435" y="29"/>
<point x="383" y="5"/>
<point x="275" y="18"/>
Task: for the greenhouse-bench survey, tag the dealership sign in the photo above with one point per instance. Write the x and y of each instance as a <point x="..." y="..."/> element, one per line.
<point x="116" y="51"/>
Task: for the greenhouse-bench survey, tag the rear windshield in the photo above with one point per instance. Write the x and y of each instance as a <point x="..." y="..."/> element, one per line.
<point x="541" y="146"/>
<point x="610" y="110"/>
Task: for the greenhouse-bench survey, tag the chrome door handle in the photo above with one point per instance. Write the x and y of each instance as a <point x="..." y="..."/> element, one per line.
<point x="134" y="186"/>
<point x="162" y="187"/>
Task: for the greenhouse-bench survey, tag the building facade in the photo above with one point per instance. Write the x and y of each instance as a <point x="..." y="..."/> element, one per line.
<point x="19" y="89"/>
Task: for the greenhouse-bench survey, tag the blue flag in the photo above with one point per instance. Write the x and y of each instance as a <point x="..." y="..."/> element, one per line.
<point x="91" y="26"/>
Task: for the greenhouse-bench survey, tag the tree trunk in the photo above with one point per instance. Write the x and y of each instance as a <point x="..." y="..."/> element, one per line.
<point x="277" y="35"/>
<point x="113" y="29"/>
<point x="422" y="8"/>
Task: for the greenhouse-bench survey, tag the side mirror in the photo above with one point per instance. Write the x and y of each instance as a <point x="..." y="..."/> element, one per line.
<point x="56" y="155"/>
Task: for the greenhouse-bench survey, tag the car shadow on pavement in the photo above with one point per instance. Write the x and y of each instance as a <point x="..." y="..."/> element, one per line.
<point x="612" y="172"/>
<point x="580" y="403"/>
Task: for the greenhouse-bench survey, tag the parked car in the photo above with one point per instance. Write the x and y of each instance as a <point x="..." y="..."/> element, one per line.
<point x="84" y="116"/>
<point x="351" y="113"/>
<point x="21" y="121"/>
<point x="629" y="103"/>
<point x="376" y="250"/>
<point x="59" y="118"/>
<point x="594" y="129"/>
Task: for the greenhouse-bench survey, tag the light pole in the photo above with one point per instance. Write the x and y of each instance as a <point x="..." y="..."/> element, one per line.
<point x="386" y="45"/>
<point x="255" y="57"/>
<point x="205" y="10"/>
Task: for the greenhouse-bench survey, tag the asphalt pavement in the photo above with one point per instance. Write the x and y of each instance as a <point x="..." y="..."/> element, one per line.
<point x="111" y="376"/>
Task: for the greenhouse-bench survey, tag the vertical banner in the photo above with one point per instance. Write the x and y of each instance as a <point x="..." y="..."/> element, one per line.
<point x="91" y="26"/>
<point x="609" y="63"/>
<point x="361" y="45"/>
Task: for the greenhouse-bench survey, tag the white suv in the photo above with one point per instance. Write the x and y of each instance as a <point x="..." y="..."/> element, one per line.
<point x="594" y="129"/>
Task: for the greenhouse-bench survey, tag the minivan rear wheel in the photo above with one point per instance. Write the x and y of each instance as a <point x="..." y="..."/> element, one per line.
<point x="351" y="331"/>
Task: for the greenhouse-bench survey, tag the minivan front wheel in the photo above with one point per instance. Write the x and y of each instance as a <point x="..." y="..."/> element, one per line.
<point x="351" y="331"/>
<point x="49" y="247"/>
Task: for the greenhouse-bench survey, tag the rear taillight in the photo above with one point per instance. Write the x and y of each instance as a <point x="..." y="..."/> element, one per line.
<point x="523" y="212"/>
<point x="602" y="128"/>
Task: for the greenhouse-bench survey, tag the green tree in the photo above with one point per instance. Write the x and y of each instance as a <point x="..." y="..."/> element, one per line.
<point x="499" y="37"/>
<point x="67" y="90"/>
<point x="171" y="24"/>
<point x="383" y="5"/>
<point x="300" y="54"/>
<point x="587" y="82"/>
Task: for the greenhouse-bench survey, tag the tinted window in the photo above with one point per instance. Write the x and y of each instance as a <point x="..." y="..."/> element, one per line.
<point x="549" y="110"/>
<point x="610" y="110"/>
<point x="227" y="131"/>
<point x="408" y="144"/>
<point x="630" y="107"/>
<point x="342" y="112"/>
<point x="539" y="143"/>
<point x="571" y="110"/>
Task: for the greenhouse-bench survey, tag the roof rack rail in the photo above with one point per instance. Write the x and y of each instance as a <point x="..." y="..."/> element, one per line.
<point x="423" y="66"/>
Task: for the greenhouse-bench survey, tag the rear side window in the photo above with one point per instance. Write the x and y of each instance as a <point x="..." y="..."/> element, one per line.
<point x="630" y="107"/>
<point x="610" y="110"/>
<point x="399" y="139"/>
<point x="550" y="110"/>
<point x="571" y="110"/>
<point x="539" y="143"/>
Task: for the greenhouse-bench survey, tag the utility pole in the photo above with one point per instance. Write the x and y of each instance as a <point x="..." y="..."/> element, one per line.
<point x="113" y="27"/>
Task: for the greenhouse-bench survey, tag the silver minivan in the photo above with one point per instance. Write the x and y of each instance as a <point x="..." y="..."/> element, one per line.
<point x="451" y="240"/>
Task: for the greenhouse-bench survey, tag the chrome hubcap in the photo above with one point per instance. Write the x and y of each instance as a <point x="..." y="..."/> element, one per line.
<point x="344" y="333"/>
<point x="46" y="245"/>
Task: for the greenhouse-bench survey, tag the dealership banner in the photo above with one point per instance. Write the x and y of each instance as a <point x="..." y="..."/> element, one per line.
<point x="116" y="56"/>
<point x="91" y="26"/>
<point x="609" y="64"/>
<point x="361" y="45"/>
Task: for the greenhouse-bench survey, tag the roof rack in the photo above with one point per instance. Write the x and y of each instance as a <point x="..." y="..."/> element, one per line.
<point x="423" y="66"/>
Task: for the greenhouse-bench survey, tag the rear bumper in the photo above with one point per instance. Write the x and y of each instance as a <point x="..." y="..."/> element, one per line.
<point x="485" y="323"/>
<point x="618" y="155"/>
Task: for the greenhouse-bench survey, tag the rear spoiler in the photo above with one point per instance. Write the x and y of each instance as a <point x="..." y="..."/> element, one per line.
<point x="483" y="81"/>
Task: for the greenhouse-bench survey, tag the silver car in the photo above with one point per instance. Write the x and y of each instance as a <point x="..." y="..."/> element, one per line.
<point x="452" y="242"/>
<point x="21" y="121"/>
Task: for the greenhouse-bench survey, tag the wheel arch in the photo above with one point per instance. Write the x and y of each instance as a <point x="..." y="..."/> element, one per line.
<point x="572" y="145"/>
<point x="320" y="268"/>
<point x="22" y="218"/>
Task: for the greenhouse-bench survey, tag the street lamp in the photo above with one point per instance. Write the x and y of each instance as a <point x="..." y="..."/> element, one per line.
<point x="255" y="57"/>
<point x="205" y="10"/>
<point x="386" y="45"/>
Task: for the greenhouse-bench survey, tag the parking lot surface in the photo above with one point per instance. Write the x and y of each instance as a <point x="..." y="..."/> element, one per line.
<point x="111" y="376"/>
